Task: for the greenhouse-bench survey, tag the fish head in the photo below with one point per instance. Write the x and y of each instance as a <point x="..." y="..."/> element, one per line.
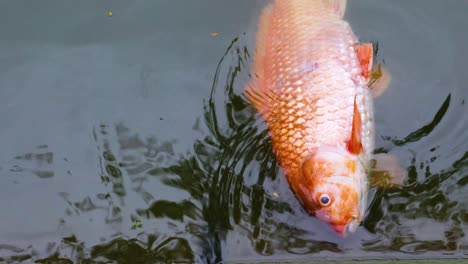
<point x="334" y="187"/>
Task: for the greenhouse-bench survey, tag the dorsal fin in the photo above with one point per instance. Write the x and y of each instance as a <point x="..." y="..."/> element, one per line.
<point x="261" y="41"/>
<point x="257" y="94"/>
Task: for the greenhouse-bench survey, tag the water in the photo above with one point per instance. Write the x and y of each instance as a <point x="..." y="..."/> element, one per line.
<point x="127" y="139"/>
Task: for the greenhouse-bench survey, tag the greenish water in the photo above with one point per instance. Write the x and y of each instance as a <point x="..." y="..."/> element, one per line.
<point x="127" y="139"/>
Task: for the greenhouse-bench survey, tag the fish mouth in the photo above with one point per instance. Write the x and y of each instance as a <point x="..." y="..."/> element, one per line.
<point x="346" y="229"/>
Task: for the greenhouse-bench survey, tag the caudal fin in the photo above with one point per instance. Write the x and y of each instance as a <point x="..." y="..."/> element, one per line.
<point x="338" y="6"/>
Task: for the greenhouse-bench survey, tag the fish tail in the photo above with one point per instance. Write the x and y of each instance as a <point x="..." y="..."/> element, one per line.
<point x="257" y="92"/>
<point x="337" y="6"/>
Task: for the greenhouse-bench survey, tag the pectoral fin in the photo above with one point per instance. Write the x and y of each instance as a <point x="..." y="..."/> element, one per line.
<point x="387" y="172"/>
<point x="354" y="144"/>
<point x="379" y="80"/>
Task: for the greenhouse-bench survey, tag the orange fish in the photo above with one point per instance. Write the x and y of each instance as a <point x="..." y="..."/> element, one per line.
<point x="310" y="83"/>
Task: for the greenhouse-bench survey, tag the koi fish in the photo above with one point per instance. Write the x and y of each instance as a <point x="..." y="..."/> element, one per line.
<point x="310" y="78"/>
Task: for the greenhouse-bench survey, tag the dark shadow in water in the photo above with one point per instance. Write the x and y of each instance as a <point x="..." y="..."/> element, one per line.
<point x="427" y="201"/>
<point x="224" y="182"/>
<point x="426" y="129"/>
<point x="38" y="163"/>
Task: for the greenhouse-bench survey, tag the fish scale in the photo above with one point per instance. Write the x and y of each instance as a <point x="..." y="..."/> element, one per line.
<point x="333" y="50"/>
<point x="308" y="81"/>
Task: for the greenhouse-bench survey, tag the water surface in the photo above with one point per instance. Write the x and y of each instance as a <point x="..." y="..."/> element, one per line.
<point x="127" y="139"/>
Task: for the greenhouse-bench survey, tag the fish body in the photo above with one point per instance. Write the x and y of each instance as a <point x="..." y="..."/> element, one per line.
<point x="310" y="83"/>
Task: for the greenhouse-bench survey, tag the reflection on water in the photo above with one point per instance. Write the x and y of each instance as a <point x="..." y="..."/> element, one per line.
<point x="39" y="163"/>
<point x="136" y="199"/>
<point x="425" y="130"/>
<point x="229" y="200"/>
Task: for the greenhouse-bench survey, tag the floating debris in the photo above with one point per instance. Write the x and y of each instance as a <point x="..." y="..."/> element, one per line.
<point x="276" y="194"/>
<point x="109" y="13"/>
<point x="137" y="224"/>
<point x="214" y="34"/>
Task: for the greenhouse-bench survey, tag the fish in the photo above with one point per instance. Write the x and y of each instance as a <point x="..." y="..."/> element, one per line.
<point x="310" y="83"/>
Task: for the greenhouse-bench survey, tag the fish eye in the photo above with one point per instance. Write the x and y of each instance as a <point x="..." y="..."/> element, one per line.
<point x="324" y="199"/>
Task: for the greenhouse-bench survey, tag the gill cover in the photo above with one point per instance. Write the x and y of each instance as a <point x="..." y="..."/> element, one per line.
<point x="330" y="188"/>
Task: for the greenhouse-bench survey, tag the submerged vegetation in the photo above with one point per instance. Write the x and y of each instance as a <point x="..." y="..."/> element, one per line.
<point x="227" y="195"/>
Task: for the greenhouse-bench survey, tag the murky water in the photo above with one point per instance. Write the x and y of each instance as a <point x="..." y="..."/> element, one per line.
<point x="126" y="138"/>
